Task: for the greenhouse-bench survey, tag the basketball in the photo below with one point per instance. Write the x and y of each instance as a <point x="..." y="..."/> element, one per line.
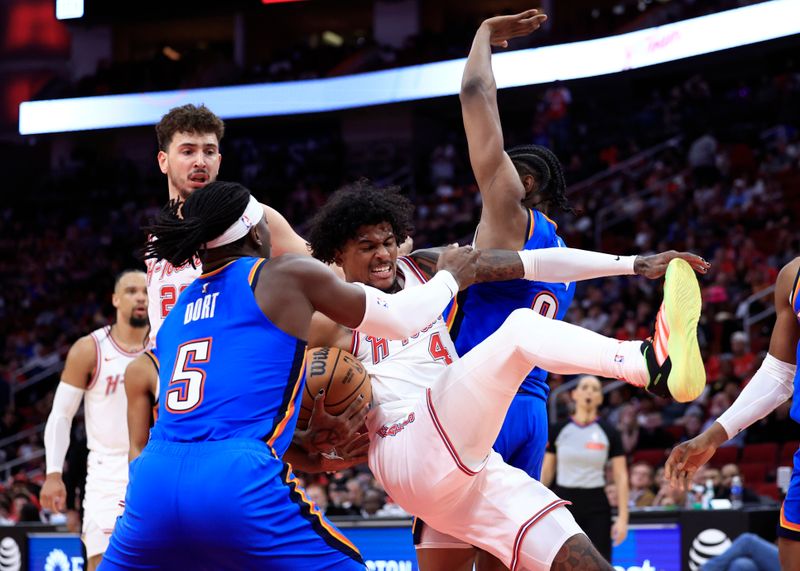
<point x="342" y="376"/>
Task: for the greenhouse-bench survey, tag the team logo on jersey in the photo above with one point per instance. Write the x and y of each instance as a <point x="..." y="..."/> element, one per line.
<point x="396" y="428"/>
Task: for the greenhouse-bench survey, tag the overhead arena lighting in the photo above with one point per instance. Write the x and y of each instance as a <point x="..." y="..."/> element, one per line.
<point x="698" y="36"/>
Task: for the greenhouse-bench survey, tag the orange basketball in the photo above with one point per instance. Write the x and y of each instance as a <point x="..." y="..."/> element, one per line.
<point x="342" y="376"/>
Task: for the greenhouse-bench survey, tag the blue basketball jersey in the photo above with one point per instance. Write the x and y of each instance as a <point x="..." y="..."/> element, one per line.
<point x="794" y="301"/>
<point x="482" y="308"/>
<point x="226" y="371"/>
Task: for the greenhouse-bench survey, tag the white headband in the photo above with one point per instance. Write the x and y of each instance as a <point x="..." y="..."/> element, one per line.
<point x="252" y="215"/>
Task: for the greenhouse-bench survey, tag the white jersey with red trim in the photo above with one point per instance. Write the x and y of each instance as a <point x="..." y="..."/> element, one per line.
<point x="106" y="406"/>
<point x="400" y="371"/>
<point x="164" y="284"/>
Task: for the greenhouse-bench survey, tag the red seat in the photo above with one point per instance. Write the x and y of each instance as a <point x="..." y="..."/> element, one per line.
<point x="654" y="456"/>
<point x="767" y="489"/>
<point x="787" y="452"/>
<point x="767" y="453"/>
<point x="753" y="474"/>
<point x="676" y="431"/>
<point x="724" y="455"/>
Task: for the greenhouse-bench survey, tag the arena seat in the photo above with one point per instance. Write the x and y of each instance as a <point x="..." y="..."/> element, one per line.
<point x="787" y="452"/>
<point x="766" y="453"/>
<point x="767" y="489"/>
<point x="653" y="456"/>
<point x="725" y="455"/>
<point x="753" y="474"/>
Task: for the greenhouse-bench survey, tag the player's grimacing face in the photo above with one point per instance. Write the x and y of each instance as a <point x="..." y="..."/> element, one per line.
<point x="130" y="298"/>
<point x="371" y="257"/>
<point x="191" y="161"/>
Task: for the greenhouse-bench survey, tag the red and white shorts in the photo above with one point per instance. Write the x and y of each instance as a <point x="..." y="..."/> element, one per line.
<point x="492" y="506"/>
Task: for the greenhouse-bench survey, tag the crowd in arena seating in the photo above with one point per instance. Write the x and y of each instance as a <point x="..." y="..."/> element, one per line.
<point x="729" y="194"/>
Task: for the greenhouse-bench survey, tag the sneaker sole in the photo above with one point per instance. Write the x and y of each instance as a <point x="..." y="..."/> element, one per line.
<point x="682" y="305"/>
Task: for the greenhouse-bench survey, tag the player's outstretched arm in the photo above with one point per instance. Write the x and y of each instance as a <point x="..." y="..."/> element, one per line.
<point x="559" y="265"/>
<point x="771" y="385"/>
<point x="141" y="380"/>
<point x="503" y="218"/>
<point x="393" y="316"/>
<point x="78" y="370"/>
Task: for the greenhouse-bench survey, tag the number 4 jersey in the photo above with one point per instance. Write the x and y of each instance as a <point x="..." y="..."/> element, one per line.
<point x="400" y="371"/>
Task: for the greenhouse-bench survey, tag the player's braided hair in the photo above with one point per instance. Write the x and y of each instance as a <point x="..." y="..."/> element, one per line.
<point x="354" y="206"/>
<point x="546" y="169"/>
<point x="204" y="215"/>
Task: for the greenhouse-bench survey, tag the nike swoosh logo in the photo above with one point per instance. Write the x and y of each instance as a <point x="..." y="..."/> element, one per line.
<point x="108" y="358"/>
<point x="616" y="259"/>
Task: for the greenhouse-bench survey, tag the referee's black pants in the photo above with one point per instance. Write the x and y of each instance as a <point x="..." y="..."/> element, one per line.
<point x="591" y="510"/>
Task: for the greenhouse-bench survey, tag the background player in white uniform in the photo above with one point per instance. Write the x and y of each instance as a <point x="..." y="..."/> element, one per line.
<point x="432" y="426"/>
<point x="189" y="155"/>
<point x="94" y="372"/>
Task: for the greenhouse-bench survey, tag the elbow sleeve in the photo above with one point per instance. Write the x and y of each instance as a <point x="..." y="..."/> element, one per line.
<point x="402" y="314"/>
<point x="557" y="265"/>
<point x="771" y="385"/>
<point x="66" y="402"/>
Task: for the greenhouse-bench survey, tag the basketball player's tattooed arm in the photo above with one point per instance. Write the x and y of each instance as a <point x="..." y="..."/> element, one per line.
<point x="501" y="265"/>
<point x="578" y="554"/>
<point x="493" y="265"/>
<point x="141" y="379"/>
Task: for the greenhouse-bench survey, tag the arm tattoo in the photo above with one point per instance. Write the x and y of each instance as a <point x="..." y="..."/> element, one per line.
<point x="493" y="265"/>
<point x="499" y="266"/>
<point x="427" y="260"/>
<point x="578" y="554"/>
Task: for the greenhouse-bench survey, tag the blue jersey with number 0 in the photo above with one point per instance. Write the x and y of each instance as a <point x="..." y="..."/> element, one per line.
<point x="482" y="308"/>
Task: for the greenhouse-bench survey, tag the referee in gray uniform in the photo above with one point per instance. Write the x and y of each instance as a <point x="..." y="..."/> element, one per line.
<point x="577" y="452"/>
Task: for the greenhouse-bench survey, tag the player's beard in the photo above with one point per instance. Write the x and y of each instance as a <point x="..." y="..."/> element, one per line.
<point x="139" y="322"/>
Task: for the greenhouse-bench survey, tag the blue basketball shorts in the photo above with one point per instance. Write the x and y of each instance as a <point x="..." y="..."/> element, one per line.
<point x="789" y="526"/>
<point x="523" y="439"/>
<point x="222" y="505"/>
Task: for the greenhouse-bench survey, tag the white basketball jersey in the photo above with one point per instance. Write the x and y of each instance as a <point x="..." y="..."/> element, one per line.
<point x="400" y="371"/>
<point x="105" y="404"/>
<point x="164" y="284"/>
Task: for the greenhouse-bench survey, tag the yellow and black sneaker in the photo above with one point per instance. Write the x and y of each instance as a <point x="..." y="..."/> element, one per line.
<point x="673" y="355"/>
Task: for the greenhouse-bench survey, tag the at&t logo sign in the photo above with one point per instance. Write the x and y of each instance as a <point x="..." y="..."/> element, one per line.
<point x="707" y="544"/>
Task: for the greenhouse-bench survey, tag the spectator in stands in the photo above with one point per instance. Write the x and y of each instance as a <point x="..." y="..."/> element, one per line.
<point x="316" y="494"/>
<point x="748" y="552"/>
<point x="372" y="503"/>
<point x="776" y="427"/>
<point x="721" y="402"/>
<point x="744" y="361"/>
<point x="641" y="484"/>
<point x="728" y="472"/>
<point x="339" y="502"/>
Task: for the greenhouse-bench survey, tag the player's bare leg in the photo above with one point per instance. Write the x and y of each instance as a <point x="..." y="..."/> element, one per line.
<point x="93" y="562"/>
<point x="446" y="559"/>
<point x="789" y="553"/>
<point x="578" y="554"/>
<point x="485" y="561"/>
